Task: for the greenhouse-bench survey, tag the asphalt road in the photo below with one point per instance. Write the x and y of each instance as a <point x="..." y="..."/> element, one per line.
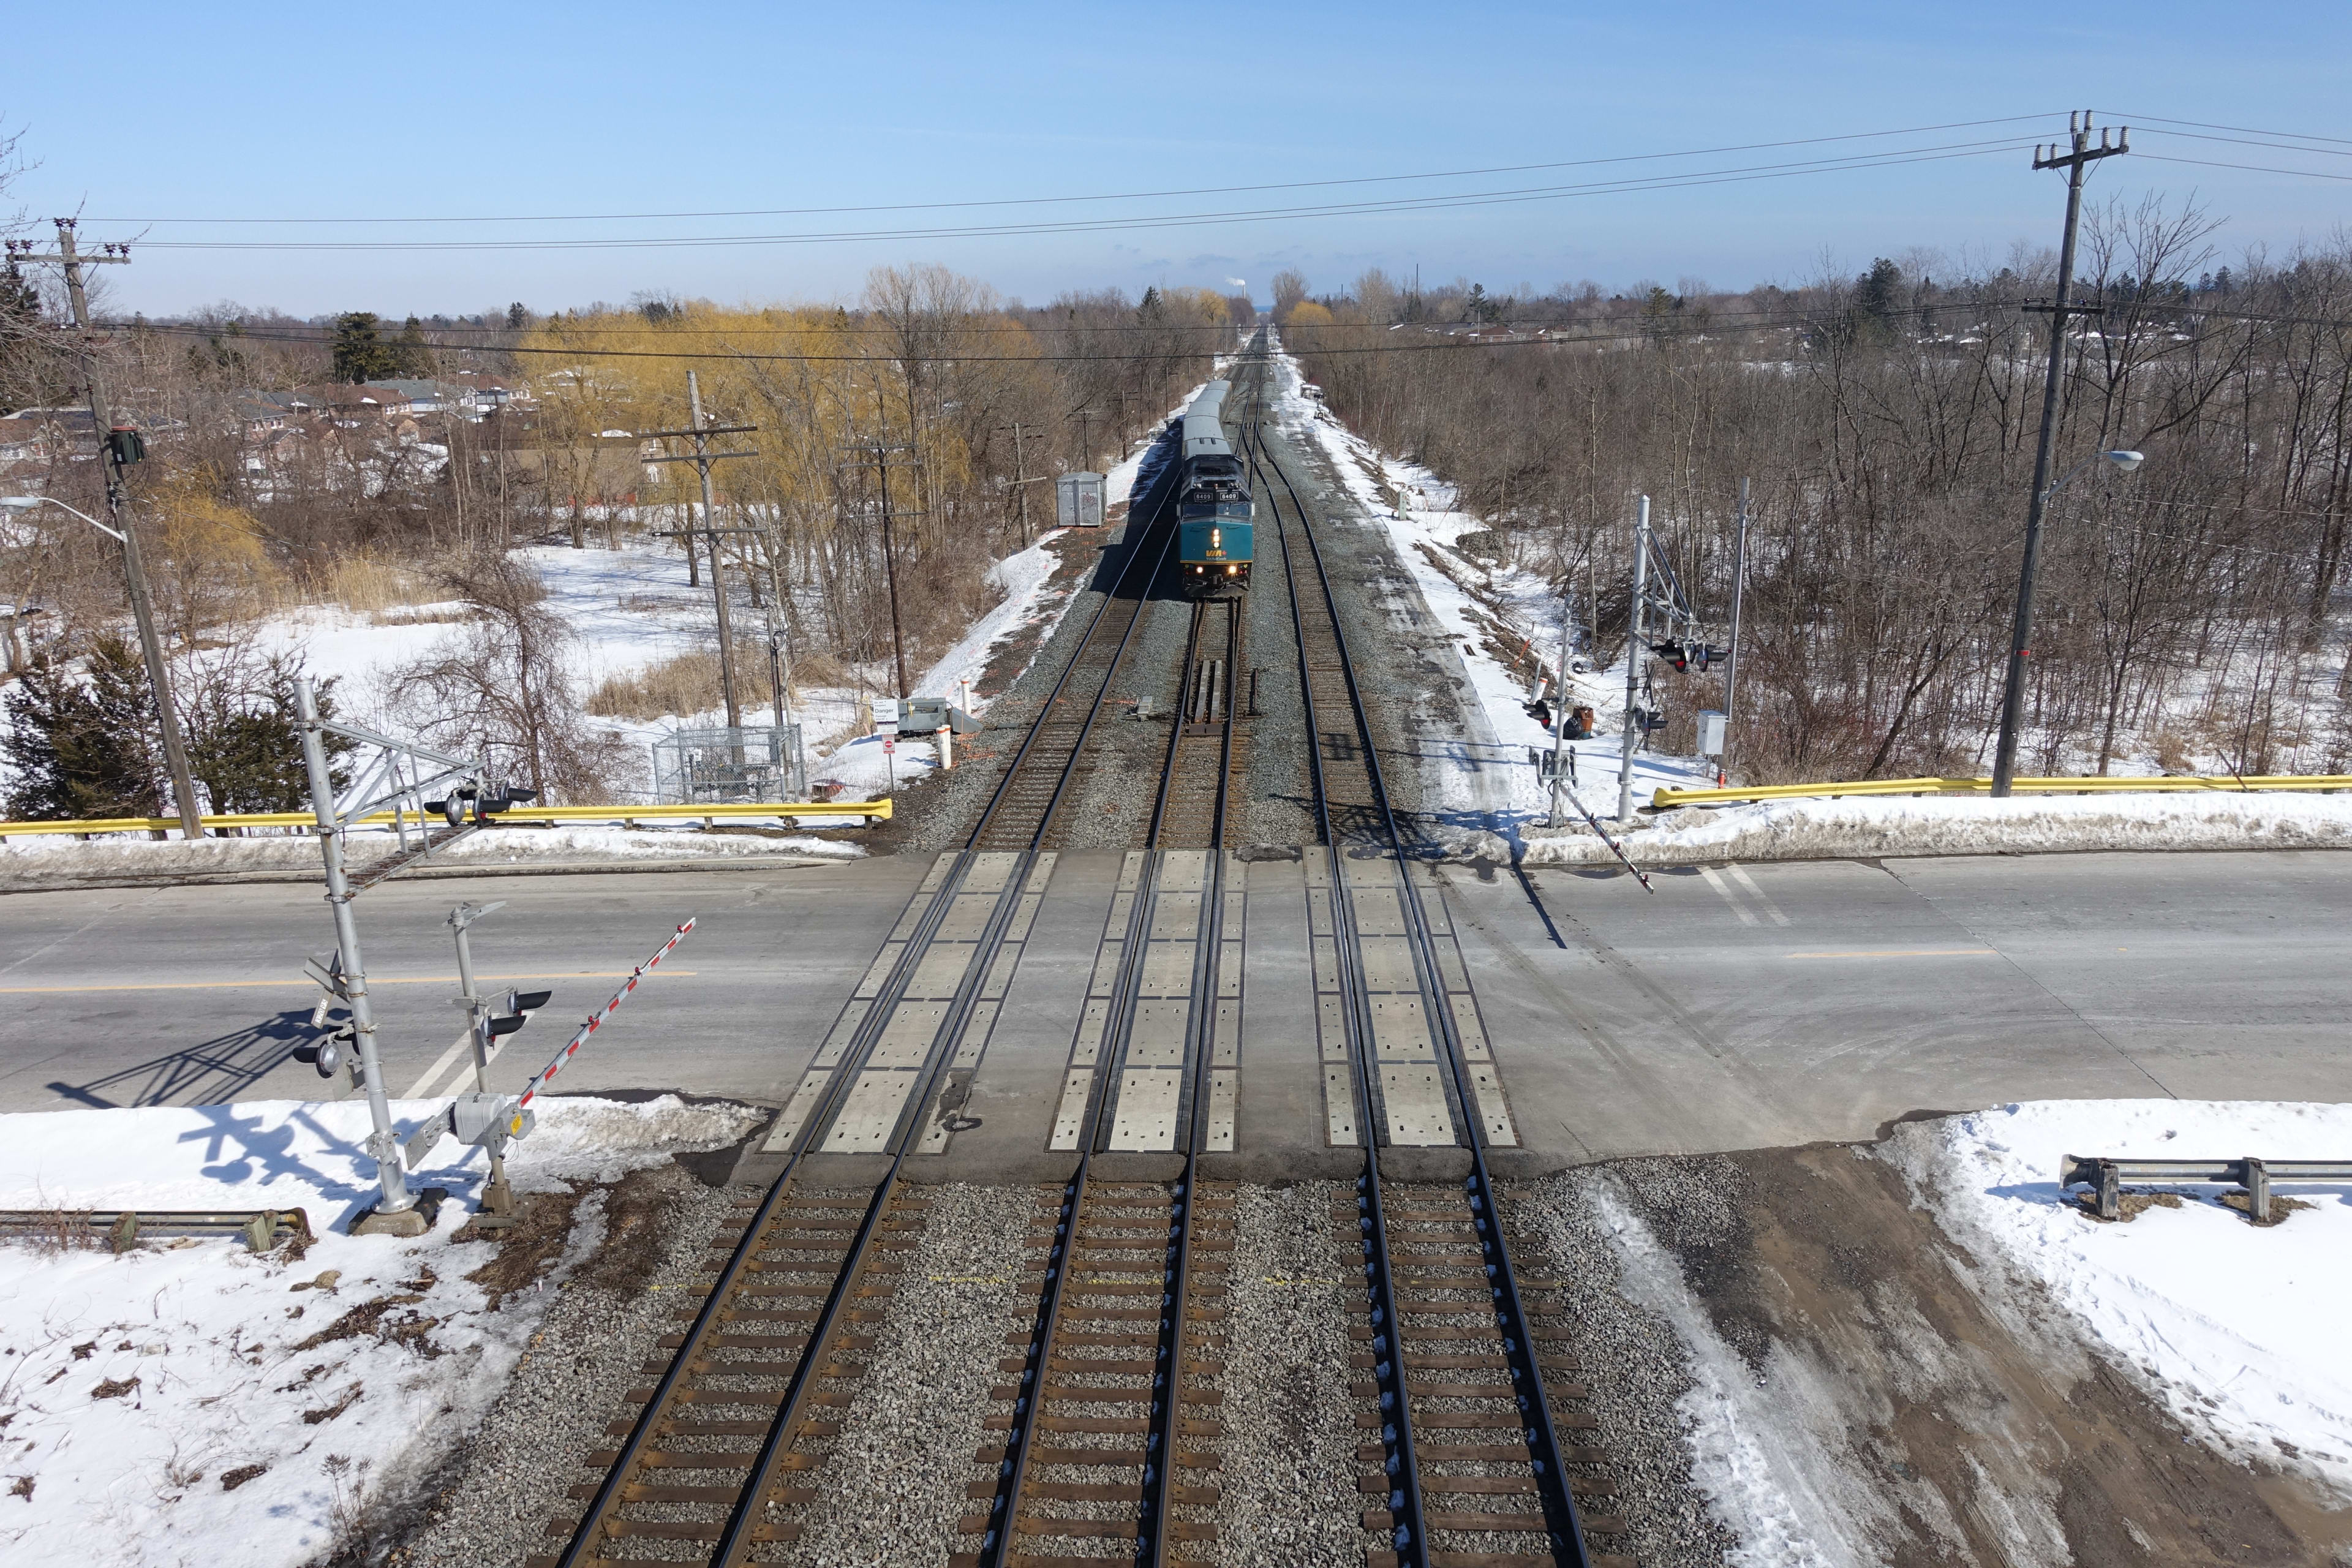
<point x="1690" y="1020"/>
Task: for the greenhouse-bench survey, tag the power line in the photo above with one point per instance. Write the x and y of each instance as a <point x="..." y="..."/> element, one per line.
<point x="2146" y="120"/>
<point x="1893" y="159"/>
<point x="1106" y="197"/>
<point x="2249" y="141"/>
<point x="2251" y="168"/>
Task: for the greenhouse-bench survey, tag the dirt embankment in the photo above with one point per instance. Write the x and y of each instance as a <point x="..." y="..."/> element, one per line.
<point x="1913" y="1403"/>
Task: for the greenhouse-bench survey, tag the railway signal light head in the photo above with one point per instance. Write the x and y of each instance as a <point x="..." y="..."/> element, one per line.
<point x="326" y="1054"/>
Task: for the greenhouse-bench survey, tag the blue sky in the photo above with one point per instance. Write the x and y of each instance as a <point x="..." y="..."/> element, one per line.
<point x="498" y="111"/>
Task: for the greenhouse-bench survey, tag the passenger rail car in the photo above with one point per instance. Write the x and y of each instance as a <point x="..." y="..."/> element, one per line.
<point x="1213" y="503"/>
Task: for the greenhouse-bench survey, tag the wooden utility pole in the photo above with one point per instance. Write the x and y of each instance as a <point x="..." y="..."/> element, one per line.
<point x="702" y="456"/>
<point x="881" y="464"/>
<point x="2076" y="163"/>
<point x="1021" y="480"/>
<point x="117" y="446"/>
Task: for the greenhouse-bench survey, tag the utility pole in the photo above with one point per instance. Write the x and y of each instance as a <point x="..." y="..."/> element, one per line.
<point x="1085" y="416"/>
<point x="702" y="456"/>
<point x="881" y="464"/>
<point x="1731" y="660"/>
<point x="1636" y="652"/>
<point x="1021" y="475"/>
<point x="116" y="448"/>
<point x="2077" y="161"/>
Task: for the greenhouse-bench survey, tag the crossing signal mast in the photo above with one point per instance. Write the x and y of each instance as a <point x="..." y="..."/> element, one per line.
<point x="1657" y="594"/>
<point x="399" y="776"/>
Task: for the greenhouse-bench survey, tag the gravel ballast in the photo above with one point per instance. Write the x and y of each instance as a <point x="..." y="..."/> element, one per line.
<point x="894" y="1491"/>
<point x="1289" y="1447"/>
<point x="491" y="1502"/>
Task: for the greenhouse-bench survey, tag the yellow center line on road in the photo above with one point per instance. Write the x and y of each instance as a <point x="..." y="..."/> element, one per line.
<point x="1908" y="953"/>
<point x="373" y="980"/>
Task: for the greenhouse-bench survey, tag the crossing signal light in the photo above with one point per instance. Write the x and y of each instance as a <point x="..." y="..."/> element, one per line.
<point x="1673" y="652"/>
<point x="326" y="1052"/>
<point x="527" y="1001"/>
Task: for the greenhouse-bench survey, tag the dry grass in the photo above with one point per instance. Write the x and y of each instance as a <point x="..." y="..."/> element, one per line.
<point x="55" y="1230"/>
<point x="685" y="683"/>
<point x="367" y="583"/>
<point x="421" y="616"/>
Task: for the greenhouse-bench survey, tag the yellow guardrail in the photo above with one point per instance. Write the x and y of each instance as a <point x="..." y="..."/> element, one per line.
<point x="624" y="815"/>
<point x="2227" y="783"/>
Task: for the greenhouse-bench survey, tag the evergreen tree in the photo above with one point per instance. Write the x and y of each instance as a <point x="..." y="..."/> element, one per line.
<point x="243" y="743"/>
<point x="518" y="318"/>
<point x="360" y="351"/>
<point x="1877" y="296"/>
<point x="84" y="749"/>
<point x="411" y="354"/>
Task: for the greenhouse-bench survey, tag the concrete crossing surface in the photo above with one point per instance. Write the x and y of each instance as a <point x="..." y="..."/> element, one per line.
<point x="1759" y="1007"/>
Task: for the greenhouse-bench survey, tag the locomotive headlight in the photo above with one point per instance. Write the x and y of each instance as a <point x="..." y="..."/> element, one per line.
<point x="1216" y="538"/>
<point x="1231" y="571"/>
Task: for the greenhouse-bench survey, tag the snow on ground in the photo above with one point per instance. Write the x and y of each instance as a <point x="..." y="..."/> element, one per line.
<point x="1878" y="826"/>
<point x="59" y="857"/>
<point x="135" y="1389"/>
<point x="2238" y="1329"/>
<point x="1023" y="578"/>
<point x="1764" y="1478"/>
<point x="1481" y="605"/>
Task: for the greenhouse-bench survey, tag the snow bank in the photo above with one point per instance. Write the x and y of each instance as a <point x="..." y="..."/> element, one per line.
<point x="32" y="860"/>
<point x="1883" y="825"/>
<point x="133" y="1388"/>
<point x="2239" y="1331"/>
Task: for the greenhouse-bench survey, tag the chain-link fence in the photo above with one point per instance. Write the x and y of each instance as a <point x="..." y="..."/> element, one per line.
<point x="709" y="767"/>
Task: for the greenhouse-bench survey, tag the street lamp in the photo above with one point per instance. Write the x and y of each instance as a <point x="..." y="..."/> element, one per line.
<point x="2012" y="701"/>
<point x="175" y="754"/>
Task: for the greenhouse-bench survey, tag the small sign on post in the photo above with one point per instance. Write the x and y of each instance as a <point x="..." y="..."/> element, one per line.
<point x="1078" y="500"/>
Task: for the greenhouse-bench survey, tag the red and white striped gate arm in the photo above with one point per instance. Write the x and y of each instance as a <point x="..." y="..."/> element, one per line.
<point x="597" y="1022"/>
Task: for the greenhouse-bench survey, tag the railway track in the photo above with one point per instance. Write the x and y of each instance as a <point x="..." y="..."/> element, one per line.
<point x="731" y="1438"/>
<point x="1111" y="1434"/>
<point x="1463" y="1464"/>
<point x="1206" y="732"/>
<point x="1053" y="756"/>
<point x="1107" y="1446"/>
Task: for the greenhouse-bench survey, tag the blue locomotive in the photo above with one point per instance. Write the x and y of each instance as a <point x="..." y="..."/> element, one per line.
<point x="1213" y="503"/>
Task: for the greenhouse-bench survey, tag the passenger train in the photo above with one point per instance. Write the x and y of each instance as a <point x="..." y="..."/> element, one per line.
<point x="1213" y="503"/>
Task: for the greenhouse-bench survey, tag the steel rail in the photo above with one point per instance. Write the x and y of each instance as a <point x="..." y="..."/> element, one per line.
<point x="1408" y="1535"/>
<point x="589" y="1533"/>
<point x="1136" y="556"/>
<point x="1160" y="1455"/>
<point x="1012" y="1471"/>
<point x="1152" y="1535"/>
<point x="1565" y="1528"/>
<point x="737" y="1535"/>
<point x="783" y="1429"/>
